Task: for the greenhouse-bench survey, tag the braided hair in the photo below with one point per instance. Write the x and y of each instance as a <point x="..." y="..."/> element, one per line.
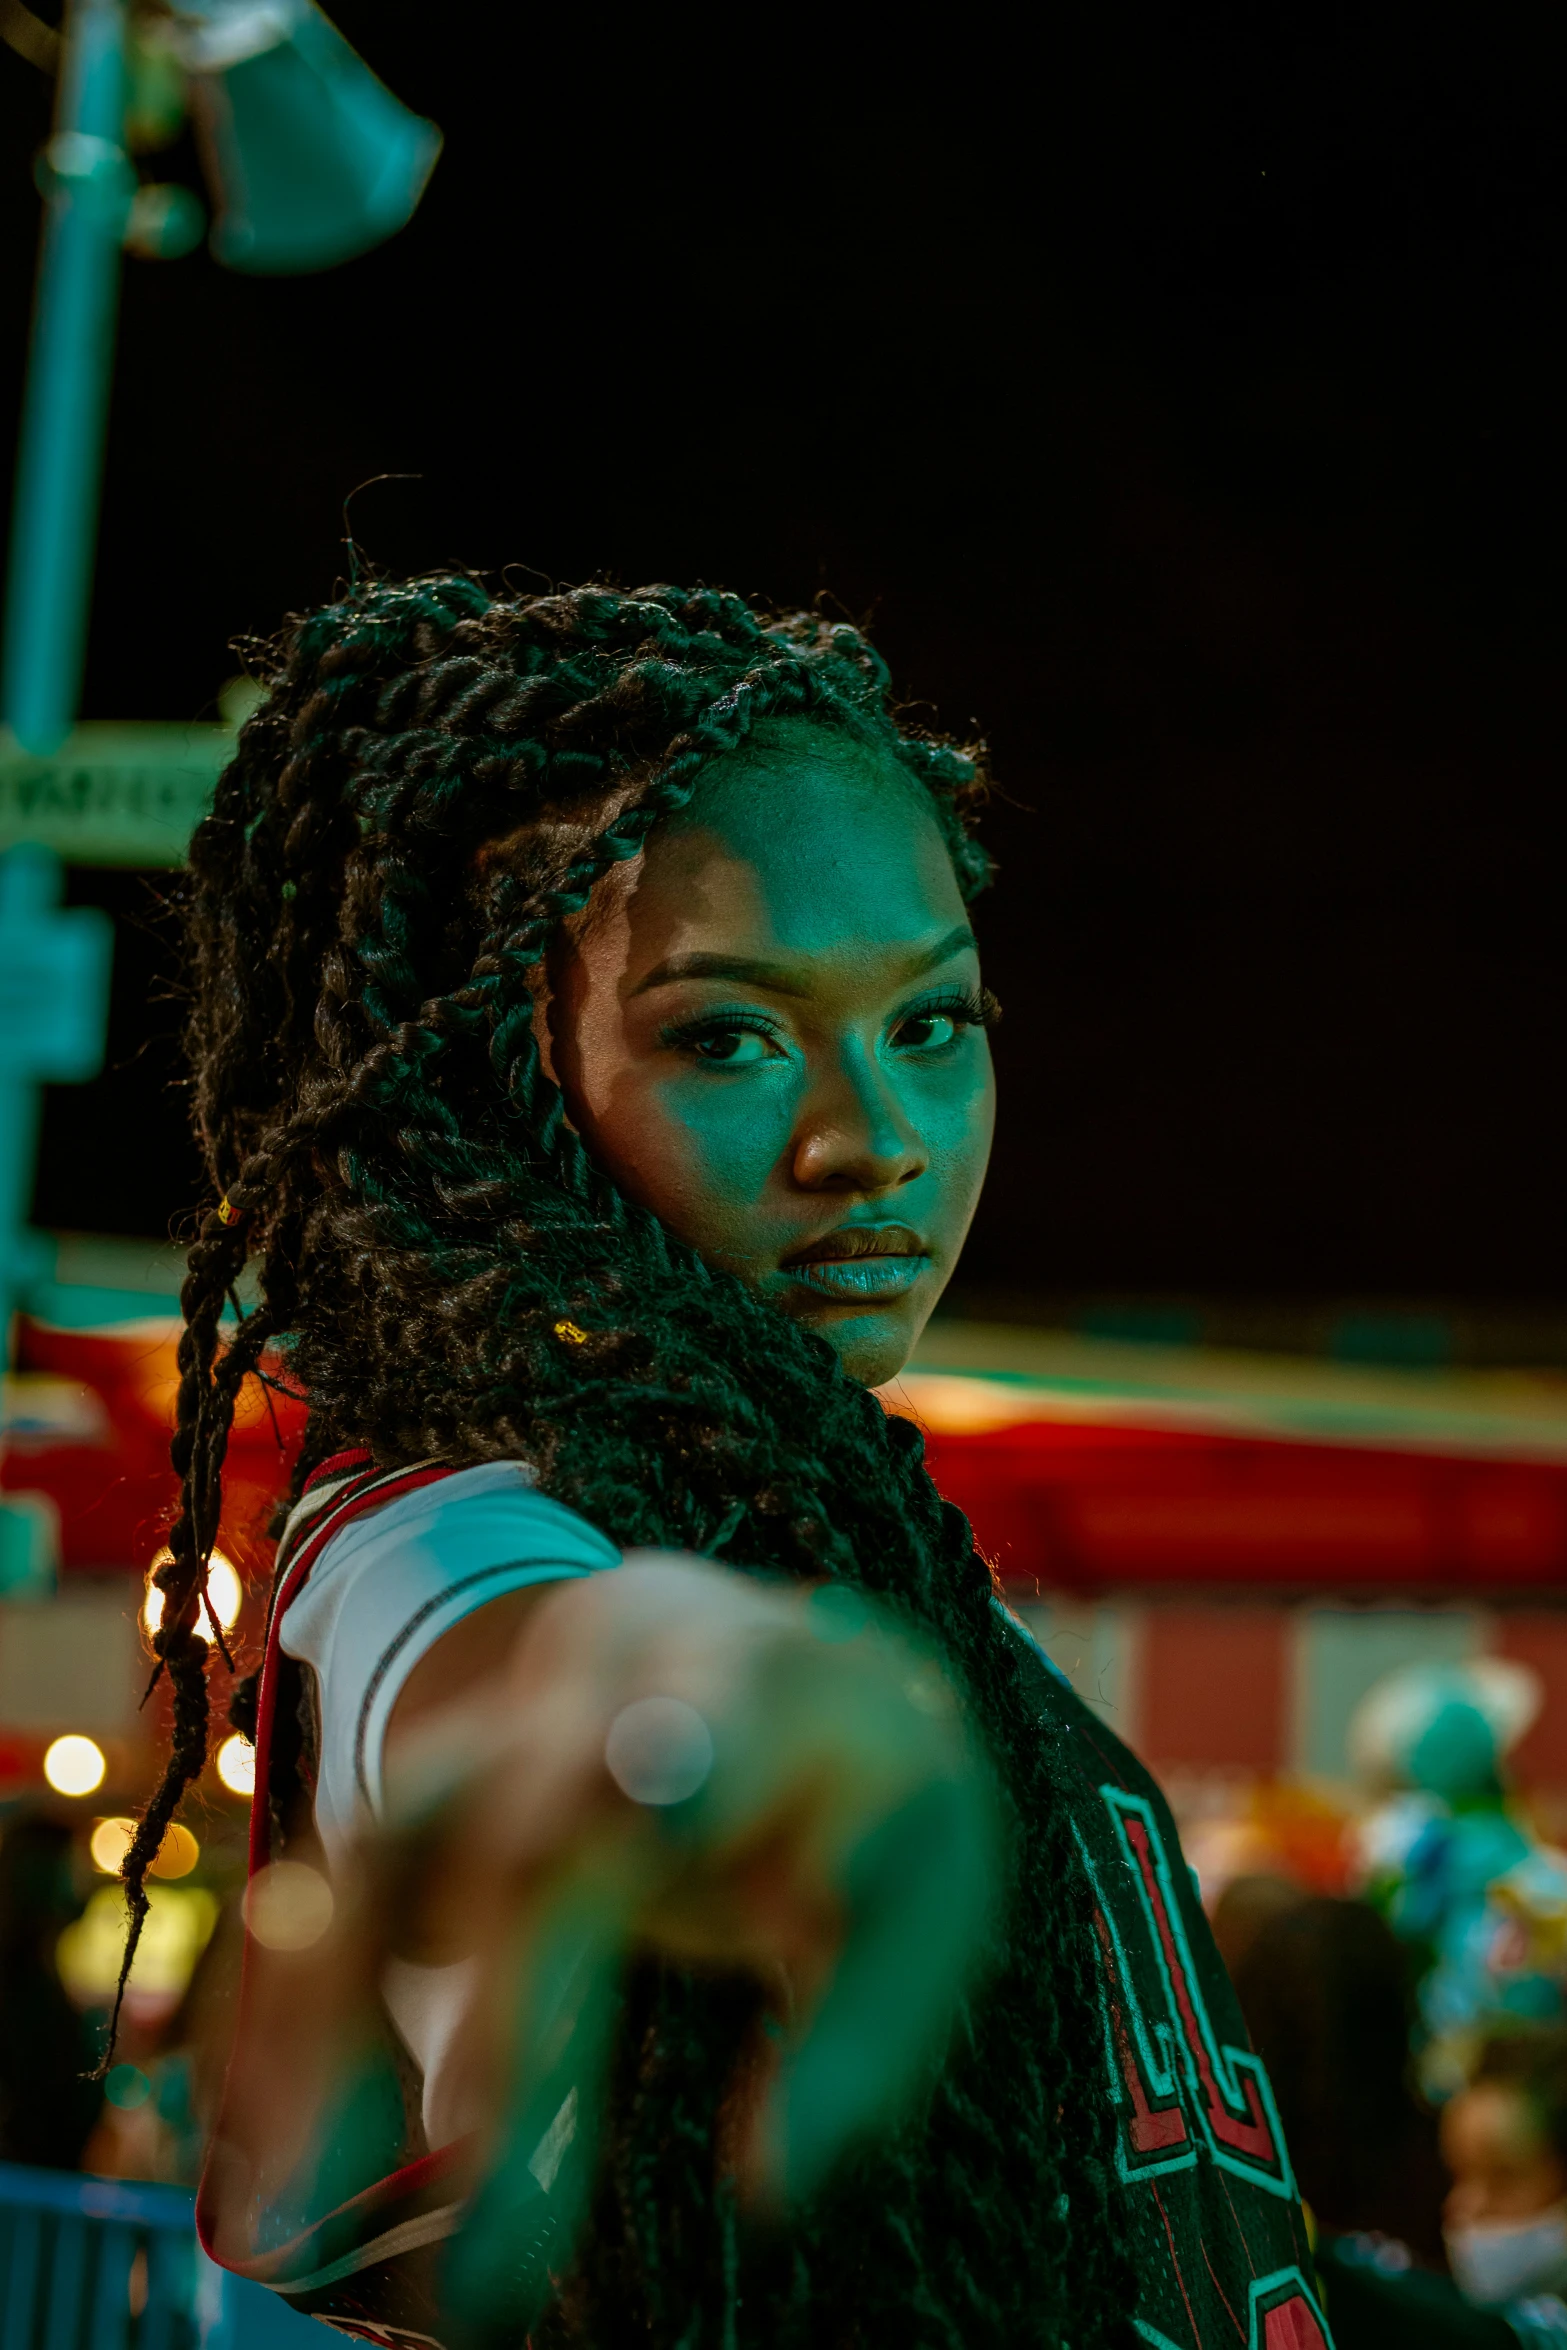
<point x="433" y="785"/>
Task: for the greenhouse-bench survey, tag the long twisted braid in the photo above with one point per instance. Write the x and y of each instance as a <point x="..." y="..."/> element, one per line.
<point x="434" y="784"/>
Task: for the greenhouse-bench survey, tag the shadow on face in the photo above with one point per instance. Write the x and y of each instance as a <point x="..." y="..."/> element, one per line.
<point x="770" y="1030"/>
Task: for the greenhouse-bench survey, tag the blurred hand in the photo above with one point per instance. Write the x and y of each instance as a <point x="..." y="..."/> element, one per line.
<point x="736" y="1774"/>
<point x="677" y="1759"/>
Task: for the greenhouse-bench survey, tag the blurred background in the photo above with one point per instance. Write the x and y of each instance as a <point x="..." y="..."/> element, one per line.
<point x="1180" y="403"/>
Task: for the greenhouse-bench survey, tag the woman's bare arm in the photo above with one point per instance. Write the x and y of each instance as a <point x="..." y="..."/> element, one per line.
<point x="474" y="1652"/>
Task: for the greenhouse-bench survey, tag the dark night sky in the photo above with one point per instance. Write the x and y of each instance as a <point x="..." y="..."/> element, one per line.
<point x="1184" y="401"/>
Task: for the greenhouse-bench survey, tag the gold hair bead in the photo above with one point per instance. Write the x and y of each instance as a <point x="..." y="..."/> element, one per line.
<point x="571" y="1334"/>
<point x="227" y="1212"/>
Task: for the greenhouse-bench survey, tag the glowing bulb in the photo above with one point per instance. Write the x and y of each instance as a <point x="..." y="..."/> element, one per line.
<point x="177" y="1854"/>
<point x="111" y="1841"/>
<point x="74" y="1765"/>
<point x="223" y="1589"/>
<point x="237" y="1765"/>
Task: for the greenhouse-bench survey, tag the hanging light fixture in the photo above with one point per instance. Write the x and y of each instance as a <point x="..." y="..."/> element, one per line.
<point x="310" y="158"/>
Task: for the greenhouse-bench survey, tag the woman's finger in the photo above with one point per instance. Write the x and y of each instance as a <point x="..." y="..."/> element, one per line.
<point x="563" y="1976"/>
<point x="919" y="1893"/>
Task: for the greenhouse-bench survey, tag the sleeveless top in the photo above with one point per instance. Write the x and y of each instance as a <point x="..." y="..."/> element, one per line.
<point x="1219" y="2240"/>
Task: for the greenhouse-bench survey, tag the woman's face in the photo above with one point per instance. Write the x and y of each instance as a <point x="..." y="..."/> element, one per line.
<point x="767" y="1030"/>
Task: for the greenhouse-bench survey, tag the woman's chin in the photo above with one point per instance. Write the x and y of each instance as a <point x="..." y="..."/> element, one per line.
<point x="871" y="1342"/>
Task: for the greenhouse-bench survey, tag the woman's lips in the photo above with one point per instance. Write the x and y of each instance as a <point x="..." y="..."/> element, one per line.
<point x="860" y="1262"/>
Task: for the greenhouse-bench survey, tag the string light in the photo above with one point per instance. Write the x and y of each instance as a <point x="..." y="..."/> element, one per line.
<point x="224" y="1590"/>
<point x="75" y="1765"/>
<point x="237" y="1765"/>
<point x="111" y="1841"/>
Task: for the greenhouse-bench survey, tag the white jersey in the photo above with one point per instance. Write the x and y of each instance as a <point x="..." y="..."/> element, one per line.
<point x="380" y="1594"/>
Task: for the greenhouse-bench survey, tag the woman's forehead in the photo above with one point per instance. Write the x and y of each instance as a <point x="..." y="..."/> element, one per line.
<point x="810" y="836"/>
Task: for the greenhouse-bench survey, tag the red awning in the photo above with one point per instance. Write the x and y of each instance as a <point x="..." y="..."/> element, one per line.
<point x="1092" y="1467"/>
<point x="1097" y="1465"/>
<point x="88" y="1424"/>
<point x="1058" y="1506"/>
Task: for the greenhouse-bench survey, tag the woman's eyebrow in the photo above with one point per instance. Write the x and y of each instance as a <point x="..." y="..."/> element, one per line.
<point x="781" y="978"/>
<point x="749" y="970"/>
<point x="955" y="943"/>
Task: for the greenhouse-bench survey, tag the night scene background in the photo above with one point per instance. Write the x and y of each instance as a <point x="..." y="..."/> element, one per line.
<point x="1180" y="400"/>
<point x="1178" y="397"/>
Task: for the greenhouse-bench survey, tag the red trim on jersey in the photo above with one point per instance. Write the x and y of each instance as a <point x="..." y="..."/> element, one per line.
<point x="360" y="2220"/>
<point x="362" y="1493"/>
<point x="336" y="1515"/>
<point x="334" y="1464"/>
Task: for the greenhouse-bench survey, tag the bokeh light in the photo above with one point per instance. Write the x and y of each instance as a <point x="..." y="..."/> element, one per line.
<point x="109" y="1843"/>
<point x="75" y="1765"/>
<point x="127" y="2087"/>
<point x="111" y="1840"/>
<point x="179" y="1920"/>
<point x="287" y="1906"/>
<point x="237" y="1765"/>
<point x="224" y="1589"/>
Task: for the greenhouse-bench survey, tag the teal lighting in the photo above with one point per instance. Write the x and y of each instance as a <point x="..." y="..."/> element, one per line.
<point x="88" y="183"/>
<point x="314" y="159"/>
<point x="54" y="1004"/>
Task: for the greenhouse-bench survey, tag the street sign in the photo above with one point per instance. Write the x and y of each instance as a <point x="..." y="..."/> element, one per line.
<point x="54" y="992"/>
<point x="113" y="794"/>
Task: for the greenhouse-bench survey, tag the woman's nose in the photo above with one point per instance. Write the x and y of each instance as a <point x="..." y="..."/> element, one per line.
<point x="855" y="1134"/>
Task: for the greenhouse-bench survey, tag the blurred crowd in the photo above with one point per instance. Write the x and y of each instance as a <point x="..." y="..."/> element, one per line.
<point x="1413" y="2018"/>
<point x="1414" y="2023"/>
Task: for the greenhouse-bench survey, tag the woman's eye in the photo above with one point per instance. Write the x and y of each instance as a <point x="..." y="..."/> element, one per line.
<point x="922" y="1030"/>
<point x="732" y="1048"/>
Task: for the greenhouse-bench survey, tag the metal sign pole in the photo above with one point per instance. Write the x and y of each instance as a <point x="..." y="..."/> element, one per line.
<point x="54" y="1002"/>
<point x="88" y="183"/>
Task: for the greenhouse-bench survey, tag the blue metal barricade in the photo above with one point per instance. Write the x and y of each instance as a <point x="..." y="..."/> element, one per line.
<point x="113" y="2264"/>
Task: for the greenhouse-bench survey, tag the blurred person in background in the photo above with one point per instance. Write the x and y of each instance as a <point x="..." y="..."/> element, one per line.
<point x="48" y="2048"/>
<point x="590" y="1062"/>
<point x="1455" y="1866"/>
<point x="1247" y="1904"/>
<point x="1324" y="1986"/>
<point x="1504" y="2139"/>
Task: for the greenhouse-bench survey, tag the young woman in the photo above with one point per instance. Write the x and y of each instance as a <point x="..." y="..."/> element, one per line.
<point x="590" y="1059"/>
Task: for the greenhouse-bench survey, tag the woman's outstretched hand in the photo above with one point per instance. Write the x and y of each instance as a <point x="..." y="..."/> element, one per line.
<point x="677" y="1759"/>
<point x="735" y="1774"/>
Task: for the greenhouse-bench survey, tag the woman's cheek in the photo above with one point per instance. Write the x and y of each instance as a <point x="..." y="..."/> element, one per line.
<point x="956" y="1118"/>
<point x="731" y="1135"/>
<point x="700" y="1153"/>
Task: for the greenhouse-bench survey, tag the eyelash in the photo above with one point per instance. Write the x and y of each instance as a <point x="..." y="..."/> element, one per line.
<point x="970" y="1007"/>
<point x="685" y="1032"/>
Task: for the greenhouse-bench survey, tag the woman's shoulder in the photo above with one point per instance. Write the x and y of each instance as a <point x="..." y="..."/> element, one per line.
<point x="405" y="1538"/>
<point x="382" y="1569"/>
<point x="1096" y="1753"/>
<point x="439" y="1502"/>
